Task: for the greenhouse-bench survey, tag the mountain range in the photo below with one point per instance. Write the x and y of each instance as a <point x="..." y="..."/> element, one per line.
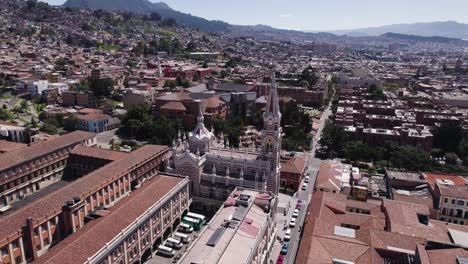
<point x="449" y="29"/>
<point x="145" y="6"/>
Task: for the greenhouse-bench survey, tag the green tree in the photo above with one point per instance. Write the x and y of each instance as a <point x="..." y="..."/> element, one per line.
<point x="448" y="136"/>
<point x="101" y="87"/>
<point x="49" y="129"/>
<point x="70" y="123"/>
<point x="154" y="16"/>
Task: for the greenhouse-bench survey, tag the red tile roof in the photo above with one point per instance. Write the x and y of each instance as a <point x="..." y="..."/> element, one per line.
<point x="431" y="178"/>
<point x="8" y="146"/>
<point x="456" y="191"/>
<point x="295" y="165"/>
<point x="93" y="117"/>
<point x="13" y="158"/>
<point x="174" y="106"/>
<point x="47" y="205"/>
<point x="88" y="241"/>
<point x="98" y="153"/>
<point x="327" y="176"/>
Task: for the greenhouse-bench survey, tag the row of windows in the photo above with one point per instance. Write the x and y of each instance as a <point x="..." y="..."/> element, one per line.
<point x="458" y="202"/>
<point x="34" y="163"/>
<point x="454" y="221"/>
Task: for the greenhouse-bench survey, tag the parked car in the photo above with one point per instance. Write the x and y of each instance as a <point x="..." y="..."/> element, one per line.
<point x="292" y="223"/>
<point x="284" y="249"/>
<point x="307" y="179"/>
<point x="299" y="204"/>
<point x="287" y="235"/>
<point x="296" y="213"/>
<point x="280" y="259"/>
<point x="304" y="186"/>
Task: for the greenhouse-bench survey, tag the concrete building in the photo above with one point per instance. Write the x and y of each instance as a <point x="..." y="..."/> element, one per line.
<point x="452" y="202"/>
<point x="96" y="123"/>
<point x="242" y="231"/>
<point x="37" y="87"/>
<point x="137" y="97"/>
<point x="73" y="98"/>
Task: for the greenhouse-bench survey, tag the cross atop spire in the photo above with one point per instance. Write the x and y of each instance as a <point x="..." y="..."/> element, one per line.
<point x="273" y="109"/>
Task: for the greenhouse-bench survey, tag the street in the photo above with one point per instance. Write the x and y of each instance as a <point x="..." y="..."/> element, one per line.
<point x="313" y="166"/>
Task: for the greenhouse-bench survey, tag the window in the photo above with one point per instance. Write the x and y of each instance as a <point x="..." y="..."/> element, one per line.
<point x="453" y="201"/>
<point x="46" y="241"/>
<point x="460" y="202"/>
<point x="15" y="244"/>
<point x="4" y="252"/>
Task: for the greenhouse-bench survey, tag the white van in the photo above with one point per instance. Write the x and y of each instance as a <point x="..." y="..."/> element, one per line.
<point x="165" y="251"/>
<point x="185" y="228"/>
<point x="183" y="237"/>
<point x="173" y="243"/>
<point x="287" y="235"/>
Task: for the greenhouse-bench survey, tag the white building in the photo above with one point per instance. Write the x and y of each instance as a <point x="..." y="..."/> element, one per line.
<point x="215" y="169"/>
<point x="37" y="87"/>
<point x="61" y="87"/>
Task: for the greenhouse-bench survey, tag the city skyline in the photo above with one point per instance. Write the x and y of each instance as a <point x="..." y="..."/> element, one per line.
<point x="328" y="16"/>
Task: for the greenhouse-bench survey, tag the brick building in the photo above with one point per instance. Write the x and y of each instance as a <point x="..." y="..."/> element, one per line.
<point x="27" y="170"/>
<point x="30" y="231"/>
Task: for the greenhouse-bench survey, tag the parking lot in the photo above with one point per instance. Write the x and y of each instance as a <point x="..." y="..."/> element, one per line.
<point x="157" y="259"/>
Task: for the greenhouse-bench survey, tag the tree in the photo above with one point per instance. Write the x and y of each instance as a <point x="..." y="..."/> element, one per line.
<point x="101" y="87"/>
<point x="448" y="136"/>
<point x="168" y="22"/>
<point x="191" y="46"/>
<point x="205" y="65"/>
<point x="309" y="75"/>
<point x="332" y="140"/>
<point x="33" y="122"/>
<point x="154" y="16"/>
<point x="410" y="158"/>
<point x="49" y="129"/>
<point x="376" y="93"/>
<point x="71" y="123"/>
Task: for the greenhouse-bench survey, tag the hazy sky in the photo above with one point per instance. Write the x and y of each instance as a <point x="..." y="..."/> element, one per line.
<point x="320" y="14"/>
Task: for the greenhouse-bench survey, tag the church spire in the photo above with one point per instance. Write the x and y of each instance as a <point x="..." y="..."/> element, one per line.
<point x="273" y="109"/>
<point x="200" y="117"/>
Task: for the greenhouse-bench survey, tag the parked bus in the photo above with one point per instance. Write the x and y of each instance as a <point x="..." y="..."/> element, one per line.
<point x="173" y="243"/>
<point x="182" y="237"/>
<point x="195" y="223"/>
<point x="200" y="217"/>
<point x="185" y="228"/>
<point x="165" y="251"/>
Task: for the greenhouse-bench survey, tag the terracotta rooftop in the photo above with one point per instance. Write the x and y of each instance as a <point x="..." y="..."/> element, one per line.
<point x="326" y="177"/>
<point x="98" y="153"/>
<point x="174" y="106"/>
<point x="379" y="235"/>
<point x="432" y="178"/>
<point x="47" y="205"/>
<point x="19" y="156"/>
<point x="456" y="191"/>
<point x="88" y="241"/>
<point x="8" y="146"/>
<point x="92" y="117"/>
<point x="294" y="165"/>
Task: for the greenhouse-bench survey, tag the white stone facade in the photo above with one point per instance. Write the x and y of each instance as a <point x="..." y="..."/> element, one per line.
<point x="215" y="170"/>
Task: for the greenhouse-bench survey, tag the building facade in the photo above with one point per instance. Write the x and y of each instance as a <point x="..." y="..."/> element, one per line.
<point x="215" y="169"/>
